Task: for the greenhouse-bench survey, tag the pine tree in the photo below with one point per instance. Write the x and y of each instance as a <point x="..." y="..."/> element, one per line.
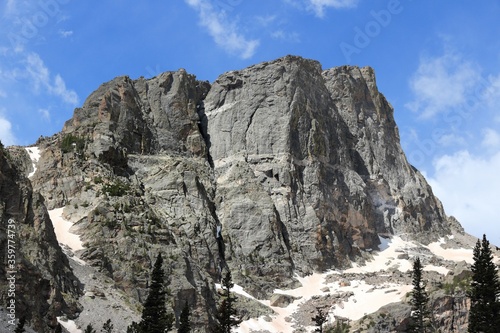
<point x="319" y="320"/>
<point x="227" y="316"/>
<point x="420" y="314"/>
<point x="155" y="318"/>
<point x="20" y="325"/>
<point x="107" y="327"/>
<point x="484" y="315"/>
<point x="185" y="321"/>
<point x="134" y="328"/>
<point x="89" y="329"/>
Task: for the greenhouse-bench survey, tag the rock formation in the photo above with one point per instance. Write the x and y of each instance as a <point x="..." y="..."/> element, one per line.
<point x="45" y="285"/>
<point x="271" y="171"/>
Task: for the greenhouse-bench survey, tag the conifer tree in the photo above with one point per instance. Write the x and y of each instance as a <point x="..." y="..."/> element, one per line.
<point x="155" y="318"/>
<point x="319" y="320"/>
<point x="185" y="321"/>
<point x="227" y="316"/>
<point x="484" y="294"/>
<point x="108" y="326"/>
<point x="134" y="328"/>
<point x="20" y="325"/>
<point x="89" y="329"/>
<point x="420" y="314"/>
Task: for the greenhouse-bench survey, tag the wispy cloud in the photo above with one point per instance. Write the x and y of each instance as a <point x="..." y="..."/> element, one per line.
<point x="223" y="31"/>
<point x="441" y="83"/>
<point x="265" y="20"/>
<point x="319" y="6"/>
<point x="45" y="113"/>
<point x="41" y="78"/>
<point x="10" y="7"/>
<point x="286" y="36"/>
<point x="491" y="139"/>
<point x="6" y="135"/>
<point x="66" y="33"/>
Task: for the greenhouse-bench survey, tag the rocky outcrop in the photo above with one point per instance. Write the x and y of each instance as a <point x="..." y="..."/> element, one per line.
<point x="309" y="168"/>
<point x="45" y="285"/>
<point x="275" y="170"/>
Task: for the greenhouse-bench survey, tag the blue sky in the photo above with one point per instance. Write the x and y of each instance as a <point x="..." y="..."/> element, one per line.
<point x="437" y="62"/>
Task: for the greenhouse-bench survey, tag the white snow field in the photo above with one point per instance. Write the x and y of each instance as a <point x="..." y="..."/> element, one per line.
<point x="69" y="325"/>
<point x="366" y="298"/>
<point x="34" y="153"/>
<point x="62" y="228"/>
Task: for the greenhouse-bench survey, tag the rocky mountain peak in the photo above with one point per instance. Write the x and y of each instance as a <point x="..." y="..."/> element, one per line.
<point x="273" y="171"/>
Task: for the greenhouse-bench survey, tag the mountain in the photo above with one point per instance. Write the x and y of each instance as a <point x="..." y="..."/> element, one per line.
<point x="44" y="281"/>
<point x="275" y="172"/>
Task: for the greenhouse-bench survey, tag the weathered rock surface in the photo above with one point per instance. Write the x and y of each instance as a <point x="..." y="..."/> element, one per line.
<point x="45" y="285"/>
<point x="275" y="170"/>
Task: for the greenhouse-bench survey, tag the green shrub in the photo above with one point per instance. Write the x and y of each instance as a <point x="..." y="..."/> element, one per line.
<point x="116" y="189"/>
<point x="72" y="142"/>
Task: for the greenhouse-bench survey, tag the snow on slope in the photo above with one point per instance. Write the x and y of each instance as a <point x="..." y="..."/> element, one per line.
<point x="62" y="229"/>
<point x="69" y="325"/>
<point x="366" y="298"/>
<point x="34" y="153"/>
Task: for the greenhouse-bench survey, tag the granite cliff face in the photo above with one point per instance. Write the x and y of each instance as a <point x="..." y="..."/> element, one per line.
<point x="45" y="285"/>
<point x="275" y="170"/>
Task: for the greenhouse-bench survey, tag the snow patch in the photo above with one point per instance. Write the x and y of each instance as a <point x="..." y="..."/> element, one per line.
<point x="368" y="298"/>
<point x="451" y="254"/>
<point x="34" y="153"/>
<point x="62" y="229"/>
<point x="388" y="257"/>
<point x="69" y="325"/>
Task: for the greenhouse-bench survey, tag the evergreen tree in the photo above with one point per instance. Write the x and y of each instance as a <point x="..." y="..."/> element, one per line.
<point x="227" y="316"/>
<point x="155" y="318"/>
<point x="58" y="328"/>
<point x="484" y="294"/>
<point x="108" y="326"/>
<point x="319" y="320"/>
<point x="185" y="321"/>
<point x="20" y="325"/>
<point x="134" y="328"/>
<point x="420" y="314"/>
<point x="89" y="329"/>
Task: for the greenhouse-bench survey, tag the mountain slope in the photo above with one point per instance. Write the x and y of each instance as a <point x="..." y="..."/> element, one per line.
<point x="275" y="170"/>
<point x="45" y="285"/>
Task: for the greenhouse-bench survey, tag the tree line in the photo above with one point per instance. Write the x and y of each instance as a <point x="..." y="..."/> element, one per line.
<point x="484" y="295"/>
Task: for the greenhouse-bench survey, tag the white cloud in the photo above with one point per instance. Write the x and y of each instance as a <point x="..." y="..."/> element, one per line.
<point x="443" y="83"/>
<point x="491" y="138"/>
<point x="224" y="32"/>
<point x="40" y="76"/>
<point x="45" y="113"/>
<point x="318" y="6"/>
<point x="10" y="7"/>
<point x="491" y="95"/>
<point x="469" y="187"/>
<point x="65" y="33"/>
<point x="286" y="36"/>
<point x="265" y="20"/>
<point x="6" y="135"/>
